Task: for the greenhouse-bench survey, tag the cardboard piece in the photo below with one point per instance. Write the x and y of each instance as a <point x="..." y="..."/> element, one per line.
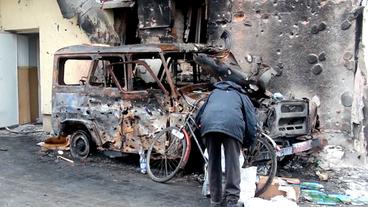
<point x="287" y="187"/>
<point x="55" y="143"/>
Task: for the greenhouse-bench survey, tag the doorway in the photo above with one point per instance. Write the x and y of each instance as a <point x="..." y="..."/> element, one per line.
<point x="28" y="77"/>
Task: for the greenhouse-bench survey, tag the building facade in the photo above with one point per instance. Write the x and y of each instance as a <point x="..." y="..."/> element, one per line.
<point x="316" y="47"/>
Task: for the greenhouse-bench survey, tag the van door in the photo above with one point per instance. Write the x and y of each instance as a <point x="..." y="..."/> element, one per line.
<point x="69" y="95"/>
<point x="105" y="102"/>
<point x="145" y="106"/>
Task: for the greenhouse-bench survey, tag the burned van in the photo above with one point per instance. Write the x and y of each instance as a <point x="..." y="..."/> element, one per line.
<point x="117" y="98"/>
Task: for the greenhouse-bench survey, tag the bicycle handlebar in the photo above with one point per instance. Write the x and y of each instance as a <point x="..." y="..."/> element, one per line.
<point x="193" y="106"/>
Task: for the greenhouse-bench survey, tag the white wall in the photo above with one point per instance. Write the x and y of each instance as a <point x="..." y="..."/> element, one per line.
<point x="55" y="32"/>
<point x="8" y="80"/>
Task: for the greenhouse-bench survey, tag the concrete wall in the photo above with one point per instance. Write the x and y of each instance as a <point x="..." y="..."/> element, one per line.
<point x="42" y="16"/>
<point x="311" y="44"/>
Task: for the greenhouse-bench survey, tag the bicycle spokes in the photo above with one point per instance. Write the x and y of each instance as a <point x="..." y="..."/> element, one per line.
<point x="165" y="155"/>
<point x="263" y="156"/>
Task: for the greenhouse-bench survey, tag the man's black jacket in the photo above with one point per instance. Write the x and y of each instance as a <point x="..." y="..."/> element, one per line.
<point x="228" y="110"/>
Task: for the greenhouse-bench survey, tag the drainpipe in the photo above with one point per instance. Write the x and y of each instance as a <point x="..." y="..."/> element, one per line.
<point x="359" y="116"/>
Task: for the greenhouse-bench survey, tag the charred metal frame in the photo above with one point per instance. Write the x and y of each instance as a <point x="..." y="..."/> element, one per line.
<point x="116" y="118"/>
<point x="290" y="119"/>
<point x="148" y="68"/>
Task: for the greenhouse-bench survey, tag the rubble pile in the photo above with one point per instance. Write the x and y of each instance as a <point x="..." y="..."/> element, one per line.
<point x="25" y="129"/>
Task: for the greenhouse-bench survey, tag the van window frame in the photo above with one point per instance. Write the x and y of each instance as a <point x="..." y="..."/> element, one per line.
<point x="106" y="58"/>
<point x="61" y="69"/>
<point x="129" y="79"/>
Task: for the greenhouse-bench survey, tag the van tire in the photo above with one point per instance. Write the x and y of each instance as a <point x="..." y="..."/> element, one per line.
<point x="80" y="145"/>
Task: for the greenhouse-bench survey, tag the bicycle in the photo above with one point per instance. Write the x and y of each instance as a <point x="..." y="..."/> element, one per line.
<point x="170" y="149"/>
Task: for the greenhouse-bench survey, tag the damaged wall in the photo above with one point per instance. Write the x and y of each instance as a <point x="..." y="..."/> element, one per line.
<point x="95" y="22"/>
<point x="310" y="44"/>
<point x="155" y="20"/>
<point x="55" y="32"/>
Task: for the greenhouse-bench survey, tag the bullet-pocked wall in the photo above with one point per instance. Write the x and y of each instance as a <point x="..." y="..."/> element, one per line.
<point x="311" y="44"/>
<point x="55" y="32"/>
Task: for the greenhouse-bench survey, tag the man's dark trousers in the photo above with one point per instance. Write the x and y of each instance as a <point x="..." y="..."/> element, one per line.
<point x="232" y="147"/>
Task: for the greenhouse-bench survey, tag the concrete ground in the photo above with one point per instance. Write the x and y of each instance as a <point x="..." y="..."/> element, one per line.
<point x="29" y="177"/>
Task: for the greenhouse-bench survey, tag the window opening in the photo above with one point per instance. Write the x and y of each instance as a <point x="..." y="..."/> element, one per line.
<point x="74" y="71"/>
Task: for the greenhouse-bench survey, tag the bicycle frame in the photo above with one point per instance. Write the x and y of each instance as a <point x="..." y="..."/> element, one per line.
<point x="270" y="140"/>
<point x="189" y="124"/>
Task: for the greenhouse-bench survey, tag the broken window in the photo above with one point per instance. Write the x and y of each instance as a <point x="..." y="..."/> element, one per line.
<point x="142" y="78"/>
<point x="185" y="71"/>
<point x="74" y="71"/>
<point x="100" y="75"/>
<point x="119" y="71"/>
<point x="141" y="72"/>
<point x="147" y="71"/>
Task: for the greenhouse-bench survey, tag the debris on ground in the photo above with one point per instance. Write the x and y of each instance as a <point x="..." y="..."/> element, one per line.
<point x="330" y="181"/>
<point x="283" y="192"/>
<point x="286" y="187"/>
<point x="334" y="177"/>
<point x="278" y="201"/>
<point x="55" y="143"/>
<point x="113" y="154"/>
<point x="303" y="166"/>
<point x="356" y="182"/>
<point x="331" y="156"/>
<point x="323" y="176"/>
<point x="311" y="186"/>
<point x="25" y="129"/>
<point x="316" y="194"/>
<point x="27" y="174"/>
<point x="142" y="161"/>
<point x="65" y="159"/>
<point x="322" y="198"/>
<point x="3" y="149"/>
<point x="248" y="179"/>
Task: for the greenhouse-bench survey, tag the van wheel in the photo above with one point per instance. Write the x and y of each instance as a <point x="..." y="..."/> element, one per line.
<point x="80" y="145"/>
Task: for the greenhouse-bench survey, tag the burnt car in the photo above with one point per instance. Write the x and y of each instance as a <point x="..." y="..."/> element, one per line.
<point x="117" y="98"/>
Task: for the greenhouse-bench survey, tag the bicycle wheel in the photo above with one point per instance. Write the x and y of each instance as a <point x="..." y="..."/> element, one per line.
<point x="263" y="156"/>
<point x="166" y="154"/>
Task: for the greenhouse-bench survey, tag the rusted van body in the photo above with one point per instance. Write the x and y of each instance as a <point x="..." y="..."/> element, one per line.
<point x="117" y="98"/>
